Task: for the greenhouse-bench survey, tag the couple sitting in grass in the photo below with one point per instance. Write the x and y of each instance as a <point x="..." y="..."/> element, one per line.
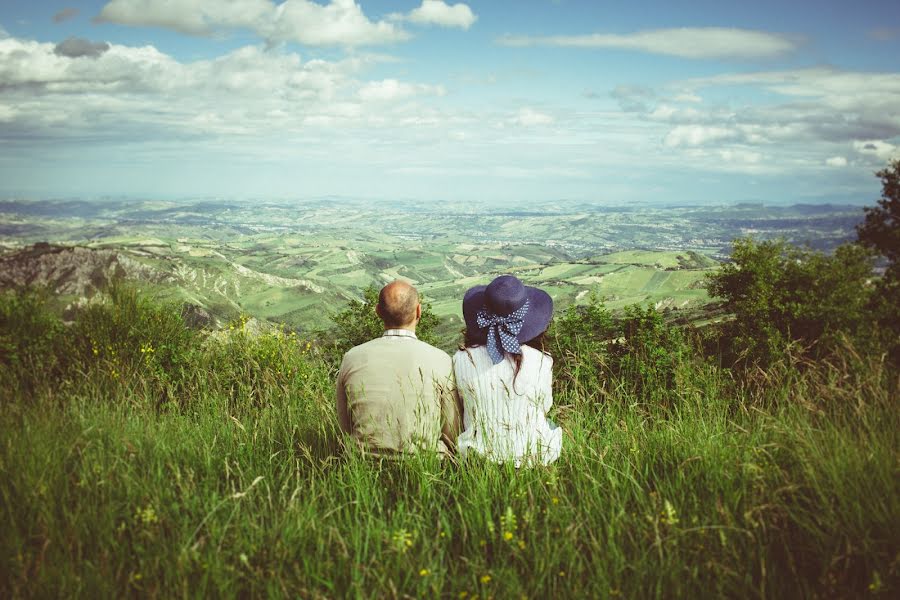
<point x="397" y="394"/>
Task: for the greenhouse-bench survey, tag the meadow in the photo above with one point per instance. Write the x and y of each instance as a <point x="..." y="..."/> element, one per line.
<point x="138" y="457"/>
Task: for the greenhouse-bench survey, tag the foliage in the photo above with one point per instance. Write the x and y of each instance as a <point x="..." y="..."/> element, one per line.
<point x="125" y="335"/>
<point x="650" y="353"/>
<point x="636" y="350"/>
<point x="31" y="344"/>
<point x="881" y="231"/>
<point x="780" y="294"/>
<point x="881" y="228"/>
<point x="358" y="323"/>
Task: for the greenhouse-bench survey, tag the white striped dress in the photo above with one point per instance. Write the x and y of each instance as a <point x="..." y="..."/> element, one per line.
<point x="505" y="420"/>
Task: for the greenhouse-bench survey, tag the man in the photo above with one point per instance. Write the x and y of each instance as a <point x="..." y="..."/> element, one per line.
<point x="395" y="394"/>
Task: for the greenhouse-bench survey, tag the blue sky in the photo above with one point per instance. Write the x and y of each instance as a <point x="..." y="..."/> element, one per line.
<point x="495" y="102"/>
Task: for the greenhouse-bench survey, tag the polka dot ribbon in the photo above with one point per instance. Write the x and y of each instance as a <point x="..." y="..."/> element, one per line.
<point x="502" y="331"/>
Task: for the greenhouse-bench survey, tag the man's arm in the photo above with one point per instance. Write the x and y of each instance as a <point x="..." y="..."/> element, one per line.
<point x="343" y="410"/>
<point x="451" y="411"/>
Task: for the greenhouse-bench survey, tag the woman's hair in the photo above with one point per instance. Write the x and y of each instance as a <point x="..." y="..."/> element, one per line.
<point x="478" y="337"/>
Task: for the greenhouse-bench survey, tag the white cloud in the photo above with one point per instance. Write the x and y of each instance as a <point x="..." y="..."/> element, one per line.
<point x="882" y="150"/>
<point x="391" y="89"/>
<point x="699" y="135"/>
<point x="340" y="22"/>
<point x="698" y="42"/>
<point x="817" y="81"/>
<point x="528" y="117"/>
<point x="741" y="156"/>
<point x="437" y="12"/>
<point x="808" y="120"/>
<point x="687" y="98"/>
<point x="135" y="93"/>
<point x="187" y="16"/>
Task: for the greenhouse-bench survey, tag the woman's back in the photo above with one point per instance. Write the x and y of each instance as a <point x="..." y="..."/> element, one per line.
<point x="504" y="410"/>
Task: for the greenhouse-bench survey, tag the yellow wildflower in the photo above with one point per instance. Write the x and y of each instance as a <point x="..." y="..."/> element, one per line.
<point x="485" y="579"/>
<point x="424" y="572"/>
<point x="670" y="517"/>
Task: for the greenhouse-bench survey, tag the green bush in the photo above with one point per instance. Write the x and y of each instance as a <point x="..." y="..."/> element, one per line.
<point x="637" y="351"/>
<point x="880" y="231"/>
<point x="781" y="295"/>
<point x="125" y="335"/>
<point x="649" y="353"/>
<point x="32" y="344"/>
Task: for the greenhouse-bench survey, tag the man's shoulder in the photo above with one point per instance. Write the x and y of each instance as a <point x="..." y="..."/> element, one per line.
<point x="364" y="347"/>
<point x="432" y="350"/>
<point x="414" y="346"/>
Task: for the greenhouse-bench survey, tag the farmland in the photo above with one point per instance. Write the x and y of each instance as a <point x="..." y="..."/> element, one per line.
<point x="298" y="263"/>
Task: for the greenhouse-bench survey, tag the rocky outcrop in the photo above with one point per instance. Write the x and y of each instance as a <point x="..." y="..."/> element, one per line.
<point x="197" y="317"/>
<point x="72" y="270"/>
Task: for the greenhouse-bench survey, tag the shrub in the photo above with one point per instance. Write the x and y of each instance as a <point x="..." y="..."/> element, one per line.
<point x="31" y="341"/>
<point x="780" y="294"/>
<point x="649" y="353"/>
<point x="880" y="231"/>
<point x="636" y="350"/>
<point x="126" y="335"/>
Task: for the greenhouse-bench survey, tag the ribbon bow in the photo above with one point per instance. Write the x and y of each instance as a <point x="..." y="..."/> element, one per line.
<point x="502" y="331"/>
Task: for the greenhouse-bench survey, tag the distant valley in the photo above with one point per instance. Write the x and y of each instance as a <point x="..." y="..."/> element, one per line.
<point x="299" y="263"/>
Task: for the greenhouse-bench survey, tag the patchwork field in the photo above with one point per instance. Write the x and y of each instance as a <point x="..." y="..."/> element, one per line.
<point x="300" y="263"/>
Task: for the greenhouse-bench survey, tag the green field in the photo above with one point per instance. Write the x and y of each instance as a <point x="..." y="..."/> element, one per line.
<point x="300" y="281"/>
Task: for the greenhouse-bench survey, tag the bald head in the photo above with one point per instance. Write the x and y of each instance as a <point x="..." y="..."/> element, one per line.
<point x="398" y="305"/>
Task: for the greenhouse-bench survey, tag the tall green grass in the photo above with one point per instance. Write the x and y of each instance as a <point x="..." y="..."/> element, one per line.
<point x="212" y="466"/>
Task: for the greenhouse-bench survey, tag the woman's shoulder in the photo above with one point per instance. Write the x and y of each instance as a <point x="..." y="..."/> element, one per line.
<point x="534" y="354"/>
<point x="471" y="355"/>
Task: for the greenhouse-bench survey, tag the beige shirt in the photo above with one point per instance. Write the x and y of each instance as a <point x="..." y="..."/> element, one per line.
<point x="396" y="394"/>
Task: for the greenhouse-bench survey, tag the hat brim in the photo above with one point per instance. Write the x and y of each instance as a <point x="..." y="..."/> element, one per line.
<point x="540" y="311"/>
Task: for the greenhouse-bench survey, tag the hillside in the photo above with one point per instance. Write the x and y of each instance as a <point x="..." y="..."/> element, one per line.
<point x="300" y="262"/>
<point x="290" y="280"/>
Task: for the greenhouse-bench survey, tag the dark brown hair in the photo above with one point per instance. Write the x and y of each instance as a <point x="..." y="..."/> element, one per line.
<point x="478" y="337"/>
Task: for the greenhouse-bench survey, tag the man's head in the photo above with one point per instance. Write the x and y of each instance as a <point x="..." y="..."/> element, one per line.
<point x="398" y="305"/>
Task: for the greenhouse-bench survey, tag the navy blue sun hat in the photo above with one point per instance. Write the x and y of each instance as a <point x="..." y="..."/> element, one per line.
<point x="507" y="313"/>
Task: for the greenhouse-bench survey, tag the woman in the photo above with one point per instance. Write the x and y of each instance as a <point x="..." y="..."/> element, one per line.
<point x="504" y="382"/>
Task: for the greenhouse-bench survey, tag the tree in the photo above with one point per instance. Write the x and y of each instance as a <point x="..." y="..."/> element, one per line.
<point x="880" y="231"/>
<point x="881" y="228"/>
<point x="780" y="294"/>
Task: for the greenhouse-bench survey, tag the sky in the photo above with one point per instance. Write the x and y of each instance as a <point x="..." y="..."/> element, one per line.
<point x="500" y="102"/>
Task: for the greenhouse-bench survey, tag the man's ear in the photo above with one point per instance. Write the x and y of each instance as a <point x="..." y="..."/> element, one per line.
<point x="378" y="311"/>
<point x="418" y="312"/>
